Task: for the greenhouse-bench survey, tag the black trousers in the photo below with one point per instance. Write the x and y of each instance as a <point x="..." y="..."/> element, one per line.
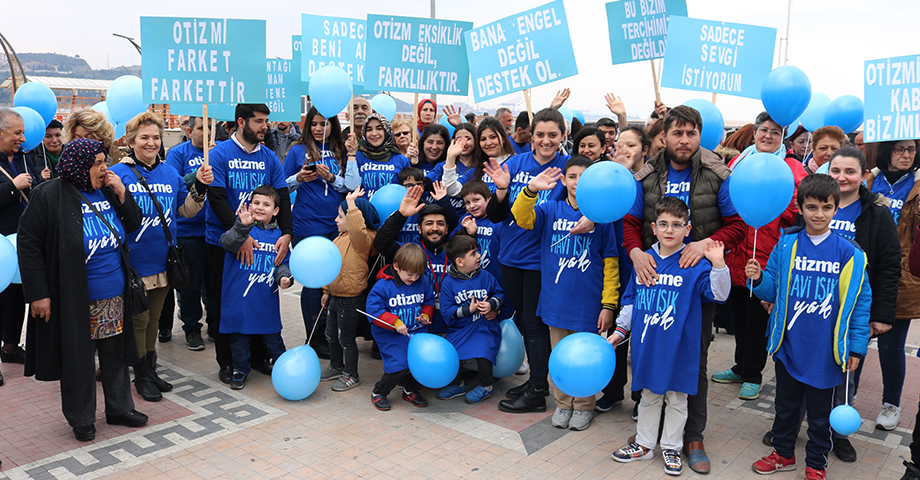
<point x="750" y="335"/>
<point x="12" y="313"/>
<point x="389" y="380"/>
<point x="483" y="369"/>
<point x="78" y="398"/>
<point x="523" y="289"/>
<point x="790" y="394"/>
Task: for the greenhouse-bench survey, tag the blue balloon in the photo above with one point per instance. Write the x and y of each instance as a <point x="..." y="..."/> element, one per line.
<point x="845" y="420"/>
<point x="813" y="118"/>
<point x="579" y="115"/>
<point x="761" y="187"/>
<point x="9" y="262"/>
<point x="785" y="94"/>
<point x="17" y="278"/>
<point x="120" y="129"/>
<point x="606" y="191"/>
<point x="450" y="128"/>
<point x="582" y="364"/>
<point x="330" y="90"/>
<point x="315" y="262"/>
<point x="34" y="128"/>
<point x="387" y="200"/>
<point x="384" y="105"/>
<point x="38" y="97"/>
<point x="566" y="113"/>
<point x="511" y="351"/>
<point x="104" y="108"/>
<point x="125" y="99"/>
<point x="293" y="196"/>
<point x="296" y="373"/>
<point x="792" y="128"/>
<point x="433" y="361"/>
<point x="845" y="112"/>
<point x="713" y="124"/>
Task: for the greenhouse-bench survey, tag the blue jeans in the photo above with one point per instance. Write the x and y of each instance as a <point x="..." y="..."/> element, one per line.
<point x="190" y="310"/>
<point x="892" y="361"/>
<point x="341" y="328"/>
<point x="311" y="298"/>
<point x="239" y="348"/>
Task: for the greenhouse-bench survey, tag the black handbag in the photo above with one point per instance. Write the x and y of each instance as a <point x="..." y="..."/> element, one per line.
<point x="138" y="293"/>
<point x="178" y="271"/>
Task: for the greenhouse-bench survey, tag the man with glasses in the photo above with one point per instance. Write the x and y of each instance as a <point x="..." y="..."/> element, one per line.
<point x="697" y="176"/>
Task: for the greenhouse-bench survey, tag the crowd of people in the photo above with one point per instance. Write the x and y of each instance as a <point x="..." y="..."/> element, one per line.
<point x="488" y="230"/>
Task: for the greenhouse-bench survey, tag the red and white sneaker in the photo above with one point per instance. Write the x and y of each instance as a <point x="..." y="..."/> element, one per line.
<point x="812" y="474"/>
<point x="773" y="463"/>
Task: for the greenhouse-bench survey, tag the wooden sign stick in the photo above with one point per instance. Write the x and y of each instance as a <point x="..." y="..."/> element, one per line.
<point x="204" y="119"/>
<point x="415" y="112"/>
<point x="655" y="81"/>
<point x="527" y="102"/>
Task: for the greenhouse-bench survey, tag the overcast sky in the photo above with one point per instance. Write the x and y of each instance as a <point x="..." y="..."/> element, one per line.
<point x="829" y="39"/>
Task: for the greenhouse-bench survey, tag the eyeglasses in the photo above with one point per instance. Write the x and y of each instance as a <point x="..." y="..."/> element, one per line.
<point x="769" y="131"/>
<point x="899" y="150"/>
<point x="675" y="225"/>
<point x="401" y="134"/>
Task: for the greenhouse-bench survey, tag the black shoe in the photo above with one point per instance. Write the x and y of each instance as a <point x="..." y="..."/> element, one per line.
<point x="165" y="336"/>
<point x="1" y="379"/>
<point x="319" y="343"/>
<point x="162" y="385"/>
<point x="211" y="336"/>
<point x="768" y="438"/>
<point x="225" y="374"/>
<point x="911" y="471"/>
<point x="375" y="351"/>
<point x="635" y="412"/>
<point x="531" y="401"/>
<point x="143" y="384"/>
<point x="131" y="419"/>
<point x="380" y="402"/>
<point x="416" y="399"/>
<point x="17" y="355"/>
<point x="193" y="341"/>
<point x="238" y="381"/>
<point x="844" y="450"/>
<point x="264" y="366"/>
<point x="85" y="433"/>
<point x="519" y="390"/>
<point x="606" y="403"/>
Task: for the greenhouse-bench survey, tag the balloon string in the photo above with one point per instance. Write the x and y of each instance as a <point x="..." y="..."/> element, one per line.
<point x="753" y="257"/>
<point x="45" y="152"/>
<point x="314" y="324"/>
<point x="846" y="389"/>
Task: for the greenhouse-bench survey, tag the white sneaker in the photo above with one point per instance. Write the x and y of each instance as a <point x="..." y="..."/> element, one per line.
<point x="889" y="417"/>
<point x="561" y="417"/>
<point x="523" y="370"/>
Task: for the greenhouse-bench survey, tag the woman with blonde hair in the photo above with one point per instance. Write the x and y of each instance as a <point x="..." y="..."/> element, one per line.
<point x="161" y="193"/>
<point x="93" y="125"/>
<point x="403" y="135"/>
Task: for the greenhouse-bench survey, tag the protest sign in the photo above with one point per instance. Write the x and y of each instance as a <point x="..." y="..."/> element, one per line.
<point x="203" y="60"/>
<point x="282" y="90"/>
<point x="639" y="28"/>
<point x="892" y="99"/>
<point x="296" y="47"/>
<point x="423" y="55"/>
<point x="718" y="57"/>
<point x="335" y="41"/>
<point x="521" y="51"/>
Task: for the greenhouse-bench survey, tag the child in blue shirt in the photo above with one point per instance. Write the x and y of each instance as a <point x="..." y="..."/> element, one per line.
<point x="666" y="347"/>
<point x="399" y="304"/>
<point x="469" y="298"/>
<point x="819" y="326"/>
<point x="250" y="304"/>
<point x="580" y="277"/>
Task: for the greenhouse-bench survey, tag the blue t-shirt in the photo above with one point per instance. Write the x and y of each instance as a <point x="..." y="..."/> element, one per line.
<point x="404" y="301"/>
<point x="375" y="175"/>
<point x="521" y="248"/>
<point x="473" y="336"/>
<point x="409" y="232"/>
<point x="249" y="301"/>
<point x="519" y="149"/>
<point x="148" y="244"/>
<point x="437" y="173"/>
<point x="666" y="325"/>
<point x="239" y="173"/>
<point x="104" y="266"/>
<point x="427" y="167"/>
<point x="317" y="203"/>
<point x="572" y="271"/>
<point x="807" y="349"/>
<point x="186" y="159"/>
<point x="896" y="194"/>
<point x="488" y="236"/>
<point x="844" y="222"/>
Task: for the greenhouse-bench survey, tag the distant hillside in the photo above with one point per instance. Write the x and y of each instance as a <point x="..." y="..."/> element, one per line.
<point x="52" y="62"/>
<point x="58" y="65"/>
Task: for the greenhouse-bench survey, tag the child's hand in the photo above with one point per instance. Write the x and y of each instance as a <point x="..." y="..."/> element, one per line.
<point x="615" y="339"/>
<point x="604" y="320"/>
<point x="325" y="300"/>
<point x="469" y="223"/>
<point x="245" y="214"/>
<point x="499" y="173"/>
<point x="286" y="282"/>
<point x="402" y="330"/>
<point x="423" y="319"/>
<point x="474" y="305"/>
<point x="546" y="180"/>
<point x="752" y="270"/>
<point x="351" y="145"/>
<point x="715" y="253"/>
<point x="439" y="190"/>
<point x="491" y="315"/>
<point x="410" y="203"/>
<point x="767" y="306"/>
<point x="484" y="306"/>
<point x="853" y="364"/>
<point x="352" y="196"/>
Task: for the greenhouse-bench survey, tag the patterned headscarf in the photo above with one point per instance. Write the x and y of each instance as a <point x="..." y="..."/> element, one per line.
<point x="383" y="152"/>
<point x="78" y="157"/>
<point x="418" y="113"/>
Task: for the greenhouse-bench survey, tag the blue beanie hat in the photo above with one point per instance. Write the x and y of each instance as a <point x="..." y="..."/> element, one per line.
<point x="371" y="219"/>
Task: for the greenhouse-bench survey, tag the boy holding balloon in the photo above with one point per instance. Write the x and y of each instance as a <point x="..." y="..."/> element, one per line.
<point x="666" y="348"/>
<point x="819" y="285"/>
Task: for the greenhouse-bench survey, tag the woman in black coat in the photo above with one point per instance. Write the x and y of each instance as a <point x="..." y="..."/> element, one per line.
<point x="76" y="283"/>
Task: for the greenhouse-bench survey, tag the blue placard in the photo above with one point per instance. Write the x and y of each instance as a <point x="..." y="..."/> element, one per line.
<point x="639" y="28"/>
<point x="282" y="93"/>
<point x="296" y="47"/>
<point x="892" y="93"/>
<point x="521" y="51"/>
<point x="718" y="57"/>
<point x="335" y="41"/>
<point x="217" y="111"/>
<point x="423" y="55"/>
<point x="202" y="60"/>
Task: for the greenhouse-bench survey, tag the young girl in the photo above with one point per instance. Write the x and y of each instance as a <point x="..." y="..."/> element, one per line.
<point x="401" y="284"/>
<point x="357" y="223"/>
<point x="461" y="158"/>
<point x="379" y="160"/>
<point x="491" y="142"/>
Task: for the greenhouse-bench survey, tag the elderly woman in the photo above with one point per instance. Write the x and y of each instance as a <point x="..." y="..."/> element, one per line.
<point x="78" y="301"/>
<point x="91" y="124"/>
<point x="161" y="193"/>
<point x="402" y="134"/>
<point x="826" y="141"/>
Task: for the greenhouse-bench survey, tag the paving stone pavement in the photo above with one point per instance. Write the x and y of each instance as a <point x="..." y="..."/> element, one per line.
<point x="202" y="429"/>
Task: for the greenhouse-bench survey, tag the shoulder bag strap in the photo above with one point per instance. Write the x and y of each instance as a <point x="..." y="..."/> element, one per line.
<point x="155" y="203"/>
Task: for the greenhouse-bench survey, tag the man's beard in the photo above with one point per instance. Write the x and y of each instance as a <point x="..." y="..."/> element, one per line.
<point x="250" y="135"/>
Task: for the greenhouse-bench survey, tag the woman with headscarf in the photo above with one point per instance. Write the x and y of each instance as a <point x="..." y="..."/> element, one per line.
<point x="379" y="160"/>
<point x="78" y="302"/>
<point x="427" y="114"/>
